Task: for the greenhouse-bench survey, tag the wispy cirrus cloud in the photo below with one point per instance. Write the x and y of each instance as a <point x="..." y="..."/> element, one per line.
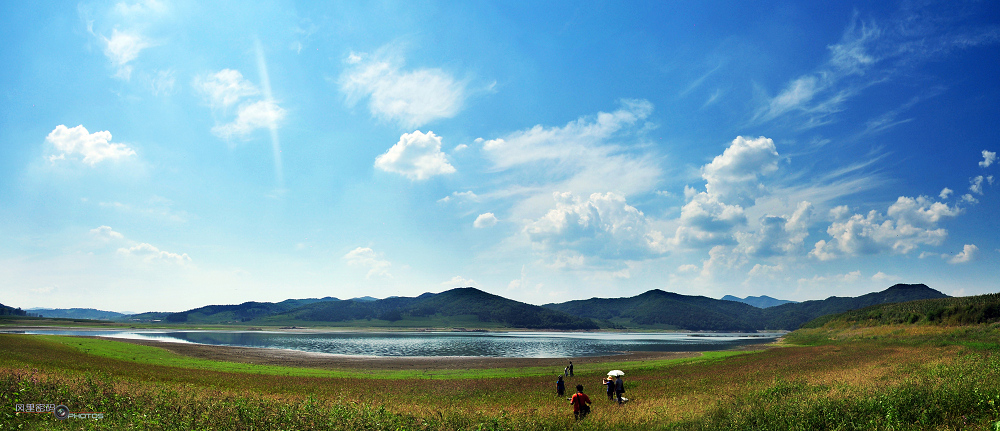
<point x="365" y="257"/>
<point x="409" y="97"/>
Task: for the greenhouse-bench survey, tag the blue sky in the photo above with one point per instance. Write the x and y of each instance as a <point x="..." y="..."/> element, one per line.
<point x="163" y="155"/>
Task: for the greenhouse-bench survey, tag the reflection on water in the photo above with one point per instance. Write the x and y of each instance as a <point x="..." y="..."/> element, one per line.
<point x="488" y="344"/>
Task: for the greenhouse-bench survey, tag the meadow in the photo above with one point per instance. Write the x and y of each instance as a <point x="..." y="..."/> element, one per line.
<point x="891" y="377"/>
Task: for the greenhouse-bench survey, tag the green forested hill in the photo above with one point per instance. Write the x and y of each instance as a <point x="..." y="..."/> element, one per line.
<point x="466" y="301"/>
<point x="244" y="312"/>
<point x="657" y="308"/>
<point x="667" y="309"/>
<point x="968" y="310"/>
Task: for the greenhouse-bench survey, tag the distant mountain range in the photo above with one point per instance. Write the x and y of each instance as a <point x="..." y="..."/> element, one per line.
<point x="473" y="308"/>
<point x="763" y="301"/>
<point x="666" y="310"/>
<point x="77" y="313"/>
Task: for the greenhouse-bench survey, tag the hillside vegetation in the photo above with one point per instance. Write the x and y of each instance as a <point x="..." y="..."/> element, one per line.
<point x="969" y="310"/>
<point x="657" y="308"/>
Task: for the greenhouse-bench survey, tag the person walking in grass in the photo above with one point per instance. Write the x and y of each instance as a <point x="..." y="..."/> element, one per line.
<point x="619" y="389"/>
<point x="571" y="368"/>
<point x="581" y="403"/>
<point x="609" y="382"/>
<point x="560" y="386"/>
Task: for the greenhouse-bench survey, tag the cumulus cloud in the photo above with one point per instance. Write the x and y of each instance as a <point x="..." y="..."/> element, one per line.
<point x="225" y="87"/>
<point x="485" y="220"/>
<point x="122" y="48"/>
<point x="988" y="158"/>
<point x="968" y="253"/>
<point x="150" y="253"/>
<point x="253" y="116"/>
<point x="417" y="156"/>
<point x="945" y="193"/>
<point x="909" y="224"/>
<point x="732" y="182"/>
<point x="734" y="176"/>
<point x="921" y="212"/>
<point x="409" y="97"/>
<point x="778" y="235"/>
<point x="603" y="225"/>
<point x="105" y="233"/>
<point x="94" y="147"/>
<point x="367" y="258"/>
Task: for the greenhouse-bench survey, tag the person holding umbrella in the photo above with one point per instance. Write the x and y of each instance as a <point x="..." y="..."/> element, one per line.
<point x="619" y="385"/>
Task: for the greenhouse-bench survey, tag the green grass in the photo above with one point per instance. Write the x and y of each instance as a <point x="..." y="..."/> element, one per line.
<point x="140" y="354"/>
<point x="875" y="378"/>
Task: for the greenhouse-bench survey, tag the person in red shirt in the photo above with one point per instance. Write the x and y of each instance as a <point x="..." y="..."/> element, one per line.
<point x="581" y="403"/>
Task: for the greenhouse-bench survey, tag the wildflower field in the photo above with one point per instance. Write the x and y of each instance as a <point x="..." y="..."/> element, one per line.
<point x="895" y="377"/>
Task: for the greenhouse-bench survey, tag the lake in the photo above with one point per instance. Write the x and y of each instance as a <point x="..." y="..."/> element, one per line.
<point x="484" y="344"/>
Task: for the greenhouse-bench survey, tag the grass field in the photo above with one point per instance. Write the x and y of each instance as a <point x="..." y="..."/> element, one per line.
<point x="897" y="377"/>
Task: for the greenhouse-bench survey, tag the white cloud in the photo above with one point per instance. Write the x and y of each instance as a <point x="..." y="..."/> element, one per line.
<point x="839" y="212"/>
<point x="921" y="212"/>
<point x="466" y="195"/>
<point x="968" y="253"/>
<point x="911" y="222"/>
<point x="580" y="156"/>
<point x="732" y="181"/>
<point x="122" y="48"/>
<point x="687" y="268"/>
<point x="721" y="258"/>
<point x="149" y="253"/>
<point x="225" y="87"/>
<point x="94" y="147"/>
<point x="707" y="221"/>
<point x="160" y="83"/>
<point x="968" y="198"/>
<point x="410" y="97"/>
<point x="765" y="271"/>
<point x="459" y="281"/>
<point x="733" y="176"/>
<point x="883" y="277"/>
<point x="976" y="185"/>
<point x="485" y="220"/>
<point x="257" y="115"/>
<point x="105" y="233"/>
<point x="778" y="235"/>
<point x="367" y="258"/>
<point x="603" y="225"/>
<point x="988" y="158"/>
<point x="945" y="193"/>
<point x="417" y="156"/>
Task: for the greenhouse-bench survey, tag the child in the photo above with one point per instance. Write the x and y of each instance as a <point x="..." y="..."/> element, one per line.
<point x="581" y="403"/>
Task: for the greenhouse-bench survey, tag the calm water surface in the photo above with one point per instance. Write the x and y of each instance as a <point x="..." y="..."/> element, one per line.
<point x="488" y="344"/>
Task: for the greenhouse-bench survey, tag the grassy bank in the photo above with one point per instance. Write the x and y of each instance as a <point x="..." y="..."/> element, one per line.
<point x="893" y="377"/>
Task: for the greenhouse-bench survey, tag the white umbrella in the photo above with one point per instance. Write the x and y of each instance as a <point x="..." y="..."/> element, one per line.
<point x="616" y="373"/>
